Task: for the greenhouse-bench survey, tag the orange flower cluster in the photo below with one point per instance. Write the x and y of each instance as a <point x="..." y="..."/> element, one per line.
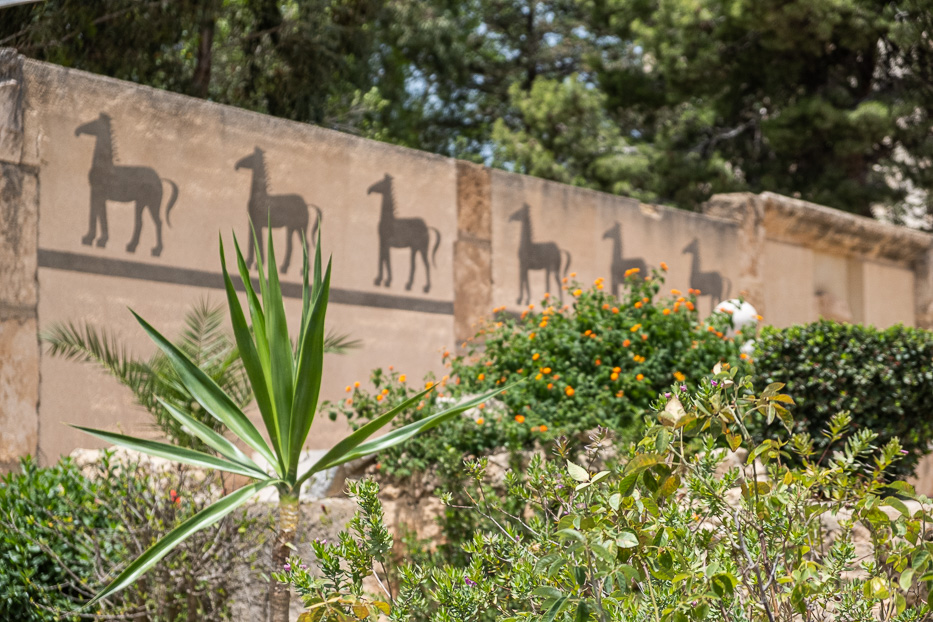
<point x="569" y="391"/>
<point x="519" y="418"/>
<point x="679" y="376"/>
<point x="632" y="271"/>
<point x="638" y="359"/>
<point x="664" y="266"/>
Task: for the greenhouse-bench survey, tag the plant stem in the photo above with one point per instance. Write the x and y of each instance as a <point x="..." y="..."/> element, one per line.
<point x="279" y="593"/>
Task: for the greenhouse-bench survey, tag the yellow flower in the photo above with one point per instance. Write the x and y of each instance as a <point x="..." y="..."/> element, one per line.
<point x="480" y="421"/>
<point x="539" y="377"/>
<point x="635" y="328"/>
<point x="577" y="292"/>
<point x="401" y="378"/>
<point x="679" y="376"/>
<point x="675" y="292"/>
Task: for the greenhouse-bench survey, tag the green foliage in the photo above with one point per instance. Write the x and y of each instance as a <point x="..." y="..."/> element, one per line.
<point x="882" y="377"/>
<point x="828" y="100"/>
<point x="63" y="527"/>
<point x="598" y="362"/>
<point x="673" y="535"/>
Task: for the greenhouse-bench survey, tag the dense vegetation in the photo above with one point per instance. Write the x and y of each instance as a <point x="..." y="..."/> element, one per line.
<point x="829" y="100"/>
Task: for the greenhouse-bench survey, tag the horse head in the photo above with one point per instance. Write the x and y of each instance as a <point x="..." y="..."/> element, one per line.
<point x="521" y="214"/>
<point x="250" y="161"/>
<point x="693" y="247"/>
<point x="613" y="231"/>
<point x="383" y="186"/>
<point x="98" y="127"/>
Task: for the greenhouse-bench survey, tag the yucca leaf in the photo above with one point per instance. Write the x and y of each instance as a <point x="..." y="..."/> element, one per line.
<point x="172" y="452"/>
<point x="251" y="361"/>
<point x="209" y="395"/>
<point x="351" y="442"/>
<point x="255" y="309"/>
<point x="205" y="518"/>
<point x="305" y="294"/>
<point x="310" y="369"/>
<point x="212" y="439"/>
<point x="402" y="434"/>
<point x="280" y="355"/>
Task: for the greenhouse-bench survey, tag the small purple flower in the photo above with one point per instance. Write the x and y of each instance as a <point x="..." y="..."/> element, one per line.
<point x="559" y="486"/>
<point x="469" y="582"/>
<point x="287" y="567"/>
<point x="303" y="566"/>
<point x="714" y="383"/>
<point x="904" y="452"/>
<point x="667" y="395"/>
<point x="683" y="388"/>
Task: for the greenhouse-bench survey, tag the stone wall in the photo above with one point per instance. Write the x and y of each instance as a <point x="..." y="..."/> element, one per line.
<point x="116" y="161"/>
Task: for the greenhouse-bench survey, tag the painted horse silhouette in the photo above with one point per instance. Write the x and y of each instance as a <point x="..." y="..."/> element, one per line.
<point x="536" y="256"/>
<point x="123" y="184"/>
<point x="710" y="283"/>
<point x="288" y="211"/>
<point x="620" y="265"/>
<point x="401" y="233"/>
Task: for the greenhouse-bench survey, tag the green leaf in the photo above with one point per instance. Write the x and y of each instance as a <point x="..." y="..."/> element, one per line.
<point x="555" y="609"/>
<point x="627" y="540"/>
<point x="173" y="452"/>
<point x="282" y="370"/>
<point x="351" y="442"/>
<point x="641" y="462"/>
<point x="309" y="372"/>
<point x="897" y="504"/>
<point x="205" y="518"/>
<point x="670" y="486"/>
<point x="209" y="395"/>
<point x="212" y="439"/>
<point x="249" y="353"/>
<point x="906" y="579"/>
<point x="547" y="592"/>
<point x="402" y="434"/>
<point x="577" y="472"/>
<point x="571" y="533"/>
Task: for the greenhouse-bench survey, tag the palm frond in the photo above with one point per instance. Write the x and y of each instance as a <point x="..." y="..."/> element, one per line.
<point x="340" y="343"/>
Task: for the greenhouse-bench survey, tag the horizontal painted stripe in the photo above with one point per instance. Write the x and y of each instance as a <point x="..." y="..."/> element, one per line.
<point x="89" y="264"/>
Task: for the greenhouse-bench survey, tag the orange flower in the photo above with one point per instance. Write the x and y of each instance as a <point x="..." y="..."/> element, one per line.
<point x="644" y="337"/>
<point x="599" y="362"/>
<point x="577" y="292"/>
<point x="614" y="376"/>
<point x="480" y="421"/>
<point x="759" y="318"/>
<point x="569" y="391"/>
<point x="620" y="394"/>
<point x="550" y="385"/>
<point x="638" y="305"/>
<point x="646" y="299"/>
<point x="402" y="378"/>
<point x="675" y="292"/>
<point x="676" y="306"/>
<point x="599" y="286"/>
<point x="539" y="377"/>
<point x="616" y="369"/>
<point x="635" y="328"/>
<point x="664" y="266"/>
<point x="666" y="312"/>
<point x="632" y="271"/>
<point x="615" y="309"/>
<point x="640" y="377"/>
<point x="743" y="356"/>
<point x="428" y="384"/>
<point x="531" y="336"/>
<point x="563" y="280"/>
<point x="385" y="391"/>
<point x="546" y="370"/>
<point x="481" y="377"/>
<point x="535" y="356"/>
<point x="519" y="418"/>
<point x="349" y="402"/>
<point x="543" y="428"/>
<point x="573" y="275"/>
<point x="679" y="377"/>
<point x="378" y="398"/>
<point x="690" y="305"/>
<point x="626" y="343"/>
<point x="349" y="388"/>
<point x="356" y="385"/>
<point x="547" y="295"/>
<point x="543" y="323"/>
<point x="447" y="352"/>
<point x="587" y="333"/>
<point x="710" y="329"/>
<point x="606" y="306"/>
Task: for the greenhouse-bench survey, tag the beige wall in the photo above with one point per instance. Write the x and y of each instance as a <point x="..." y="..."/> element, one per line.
<point x="794" y="260"/>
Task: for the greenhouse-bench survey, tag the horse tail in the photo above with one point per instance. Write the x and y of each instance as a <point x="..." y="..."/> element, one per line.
<point x="436" y="244"/>
<point x="567" y="265"/>
<point x="728" y="288"/>
<point x="317" y="223"/>
<point x="171" y="200"/>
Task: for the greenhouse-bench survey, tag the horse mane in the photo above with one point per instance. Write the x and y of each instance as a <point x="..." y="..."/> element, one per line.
<point x="113" y="143"/>
<point x="263" y="172"/>
<point x="391" y="196"/>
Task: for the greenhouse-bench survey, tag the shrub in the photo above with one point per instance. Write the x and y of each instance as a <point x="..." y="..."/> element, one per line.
<point x="883" y="377"/>
<point x="62" y="530"/>
<point x="672" y="535"/>
<point x="597" y="360"/>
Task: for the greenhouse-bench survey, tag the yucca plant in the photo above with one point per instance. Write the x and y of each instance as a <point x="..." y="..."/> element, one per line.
<point x="286" y="383"/>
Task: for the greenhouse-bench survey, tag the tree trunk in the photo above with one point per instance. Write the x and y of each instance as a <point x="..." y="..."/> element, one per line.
<point x="201" y="81"/>
<point x="279" y="593"/>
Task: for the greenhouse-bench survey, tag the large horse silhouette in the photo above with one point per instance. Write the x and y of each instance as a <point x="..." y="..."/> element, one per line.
<point x="123" y="184"/>
<point x="401" y="233"/>
<point x="712" y="284"/>
<point x="274" y="210"/>
<point x="536" y="256"/>
<point x="620" y="265"/>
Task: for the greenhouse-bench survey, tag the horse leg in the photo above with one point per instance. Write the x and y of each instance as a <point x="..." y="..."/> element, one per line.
<point x="97" y="205"/>
<point x="378" y="280"/>
<point x="137" y="228"/>
<point x="388" y="262"/>
<point x="154" y="210"/>
<point x="427" y="270"/>
<point x="289" y="233"/>
<point x="411" y="270"/>
<point x="522" y="275"/>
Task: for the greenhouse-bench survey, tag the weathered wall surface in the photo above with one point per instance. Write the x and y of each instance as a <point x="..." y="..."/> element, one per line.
<point x="423" y="246"/>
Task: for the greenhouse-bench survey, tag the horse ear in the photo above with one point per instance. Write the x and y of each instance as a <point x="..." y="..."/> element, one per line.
<point x="105" y="117"/>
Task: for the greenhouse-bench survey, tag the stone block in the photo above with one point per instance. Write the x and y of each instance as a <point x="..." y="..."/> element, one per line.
<point x="11" y="105"/>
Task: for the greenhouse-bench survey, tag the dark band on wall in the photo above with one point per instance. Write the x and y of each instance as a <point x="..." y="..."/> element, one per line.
<point x="88" y="264"/>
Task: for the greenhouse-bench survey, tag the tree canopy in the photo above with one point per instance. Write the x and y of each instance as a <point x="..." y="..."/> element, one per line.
<point x="665" y="100"/>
